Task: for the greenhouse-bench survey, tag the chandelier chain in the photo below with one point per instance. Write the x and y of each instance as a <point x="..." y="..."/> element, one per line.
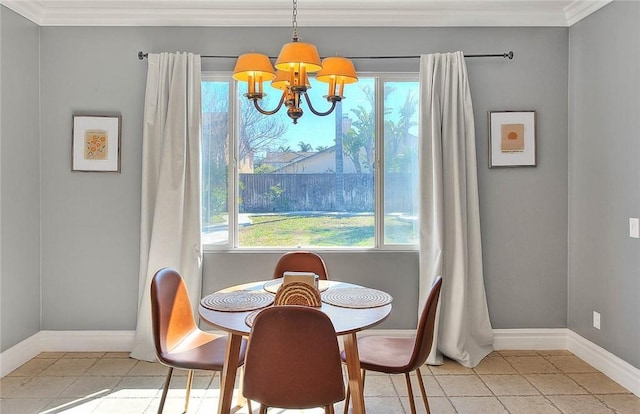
<point x="295" y="20"/>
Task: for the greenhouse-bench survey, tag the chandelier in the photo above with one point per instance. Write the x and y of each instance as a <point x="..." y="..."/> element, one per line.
<point x="295" y="61"/>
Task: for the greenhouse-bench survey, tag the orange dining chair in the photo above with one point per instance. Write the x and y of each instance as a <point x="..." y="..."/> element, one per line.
<point x="301" y="261"/>
<point x="393" y="355"/>
<point x="307" y="374"/>
<point x="178" y="341"/>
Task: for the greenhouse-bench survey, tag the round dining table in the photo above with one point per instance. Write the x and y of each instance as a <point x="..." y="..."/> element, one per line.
<point x="347" y="321"/>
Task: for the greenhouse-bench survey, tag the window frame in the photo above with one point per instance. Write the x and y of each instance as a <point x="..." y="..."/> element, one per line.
<point x="232" y="245"/>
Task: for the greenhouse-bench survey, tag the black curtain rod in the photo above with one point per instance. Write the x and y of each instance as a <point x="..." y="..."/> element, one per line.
<point x="507" y="55"/>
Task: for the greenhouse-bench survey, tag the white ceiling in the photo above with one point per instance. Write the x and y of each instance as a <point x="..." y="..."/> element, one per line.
<point x="417" y="13"/>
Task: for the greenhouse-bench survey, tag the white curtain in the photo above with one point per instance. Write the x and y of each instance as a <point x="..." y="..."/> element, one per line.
<point x="170" y="208"/>
<point x="450" y="243"/>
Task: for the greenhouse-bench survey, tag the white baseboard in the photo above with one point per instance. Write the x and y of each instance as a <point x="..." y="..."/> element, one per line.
<point x="604" y="361"/>
<point x="87" y="341"/>
<point x="534" y="339"/>
<point x="64" y="341"/>
<point x="20" y="353"/>
<point x="615" y="368"/>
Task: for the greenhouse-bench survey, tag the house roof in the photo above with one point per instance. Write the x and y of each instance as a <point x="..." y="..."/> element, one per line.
<point x="308" y="157"/>
<point x="227" y="13"/>
<point x="285" y="157"/>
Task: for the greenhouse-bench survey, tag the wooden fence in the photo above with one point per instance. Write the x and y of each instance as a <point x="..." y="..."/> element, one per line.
<point x="317" y="192"/>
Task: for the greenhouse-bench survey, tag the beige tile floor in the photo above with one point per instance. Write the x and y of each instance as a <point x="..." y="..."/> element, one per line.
<point x="516" y="382"/>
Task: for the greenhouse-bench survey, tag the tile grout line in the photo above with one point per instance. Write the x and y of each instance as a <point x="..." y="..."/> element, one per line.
<point x="491" y="391"/>
<point x="545" y="396"/>
<point x="198" y="403"/>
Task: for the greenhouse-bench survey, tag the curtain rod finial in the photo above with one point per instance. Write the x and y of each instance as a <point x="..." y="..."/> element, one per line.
<point x="510" y="55"/>
<point x="142" y="55"/>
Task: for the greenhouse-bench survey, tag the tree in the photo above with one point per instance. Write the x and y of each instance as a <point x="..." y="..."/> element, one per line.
<point x="352" y="143"/>
<point x="214" y="149"/>
<point x="361" y="136"/>
<point x="304" y="147"/>
<point x="257" y="133"/>
<point x="398" y="143"/>
<point x="264" y="169"/>
<point x="399" y="147"/>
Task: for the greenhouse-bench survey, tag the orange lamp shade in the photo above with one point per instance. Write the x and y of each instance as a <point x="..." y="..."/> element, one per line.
<point x="337" y="71"/>
<point x="281" y="80"/>
<point x="337" y="68"/>
<point x="253" y="67"/>
<point x="299" y="53"/>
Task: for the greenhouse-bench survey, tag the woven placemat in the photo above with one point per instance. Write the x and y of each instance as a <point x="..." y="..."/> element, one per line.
<point x="252" y="317"/>
<point x="356" y="297"/>
<point x="274" y="284"/>
<point x="237" y="300"/>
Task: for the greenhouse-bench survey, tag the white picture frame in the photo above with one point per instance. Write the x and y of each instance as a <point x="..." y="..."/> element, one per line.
<point x="95" y="143"/>
<point x="512" y="139"/>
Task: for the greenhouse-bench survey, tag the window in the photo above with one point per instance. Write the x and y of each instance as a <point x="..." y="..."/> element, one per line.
<point x="348" y="179"/>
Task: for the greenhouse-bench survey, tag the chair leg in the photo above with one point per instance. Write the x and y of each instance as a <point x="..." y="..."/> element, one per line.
<point x="165" y="389"/>
<point x="346" y="399"/>
<point x="189" y="382"/>
<point x="348" y="393"/>
<point x="241" y="400"/>
<point x="423" y="391"/>
<point x="329" y="409"/>
<point x="412" y="403"/>
<point x="263" y="409"/>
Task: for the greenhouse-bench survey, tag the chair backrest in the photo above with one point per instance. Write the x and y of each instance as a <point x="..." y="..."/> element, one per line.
<point x="171" y="312"/>
<point x="301" y="261"/>
<point x="424" y="332"/>
<point x="298" y="293"/>
<point x="293" y="359"/>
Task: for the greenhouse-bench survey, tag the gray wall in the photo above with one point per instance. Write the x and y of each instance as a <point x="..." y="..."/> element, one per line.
<point x="604" y="175"/>
<point x="90" y="221"/>
<point x="20" y="180"/>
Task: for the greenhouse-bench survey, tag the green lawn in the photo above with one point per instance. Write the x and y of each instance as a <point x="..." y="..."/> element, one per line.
<point x="319" y="230"/>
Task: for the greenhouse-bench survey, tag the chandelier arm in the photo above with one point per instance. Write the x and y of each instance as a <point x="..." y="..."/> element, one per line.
<point x="264" y="111"/>
<point x="312" y="109"/>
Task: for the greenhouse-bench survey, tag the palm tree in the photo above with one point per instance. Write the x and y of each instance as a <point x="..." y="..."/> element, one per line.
<point x="339" y="159"/>
<point x="305" y="147"/>
<point x="397" y="144"/>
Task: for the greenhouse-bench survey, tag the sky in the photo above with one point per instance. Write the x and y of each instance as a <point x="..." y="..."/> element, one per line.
<point x="316" y="130"/>
<point x="320" y="130"/>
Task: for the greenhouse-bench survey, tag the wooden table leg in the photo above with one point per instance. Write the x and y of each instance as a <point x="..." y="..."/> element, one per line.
<point x="228" y="376"/>
<point x="353" y="369"/>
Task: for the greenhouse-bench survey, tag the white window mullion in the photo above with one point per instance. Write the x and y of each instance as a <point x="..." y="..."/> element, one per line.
<point x="233" y="182"/>
<point x="379" y="168"/>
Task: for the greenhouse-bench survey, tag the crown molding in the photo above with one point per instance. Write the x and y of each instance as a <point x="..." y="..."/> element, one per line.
<point x="579" y="9"/>
<point x="359" y="13"/>
<point x="28" y="9"/>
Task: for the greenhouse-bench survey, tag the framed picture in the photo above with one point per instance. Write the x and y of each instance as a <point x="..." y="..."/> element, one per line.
<point x="95" y="143"/>
<point x="512" y="139"/>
